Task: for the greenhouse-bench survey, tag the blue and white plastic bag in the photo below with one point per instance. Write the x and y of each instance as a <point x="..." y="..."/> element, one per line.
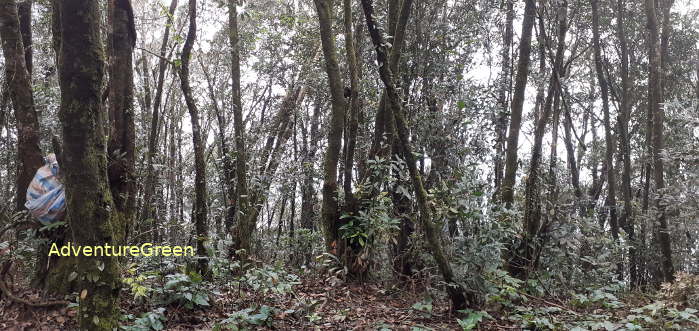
<point x="46" y="199"/>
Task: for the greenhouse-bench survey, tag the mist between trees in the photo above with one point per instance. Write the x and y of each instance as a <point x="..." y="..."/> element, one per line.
<point x="495" y="157"/>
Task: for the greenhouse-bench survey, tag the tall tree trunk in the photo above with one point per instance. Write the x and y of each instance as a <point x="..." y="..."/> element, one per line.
<point x="624" y="117"/>
<point x="508" y="182"/>
<point x="200" y="206"/>
<point x="505" y="89"/>
<point x="242" y="202"/>
<point x="524" y="259"/>
<point x="20" y="90"/>
<point x="610" y="145"/>
<point x="149" y="189"/>
<point x="656" y="99"/>
<point x="121" y="148"/>
<point x="337" y="118"/>
<point x="459" y="298"/>
<point x="89" y="201"/>
<point x="352" y="116"/>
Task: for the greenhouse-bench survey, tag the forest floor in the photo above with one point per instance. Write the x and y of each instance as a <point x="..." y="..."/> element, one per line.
<point x="313" y="306"/>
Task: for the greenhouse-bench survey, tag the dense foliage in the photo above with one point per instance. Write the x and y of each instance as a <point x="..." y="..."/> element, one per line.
<point x="448" y="164"/>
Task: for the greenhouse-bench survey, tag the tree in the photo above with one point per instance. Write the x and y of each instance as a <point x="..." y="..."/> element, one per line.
<point x="505" y="88"/>
<point x="656" y="102"/>
<point x="626" y="219"/>
<point x="200" y="204"/>
<point x="242" y="204"/>
<point x="526" y="256"/>
<point x="90" y="205"/>
<point x="20" y="91"/>
<point x="148" y="209"/>
<point x="121" y="147"/>
<point x="459" y="298"/>
<point x="330" y="208"/>
<point x="610" y="202"/>
<point x="508" y="182"/>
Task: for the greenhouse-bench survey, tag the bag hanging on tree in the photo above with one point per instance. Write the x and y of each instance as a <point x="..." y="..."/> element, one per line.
<point x="46" y="199"/>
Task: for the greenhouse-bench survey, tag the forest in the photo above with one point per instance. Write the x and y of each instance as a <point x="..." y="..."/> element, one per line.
<point x="349" y="165"/>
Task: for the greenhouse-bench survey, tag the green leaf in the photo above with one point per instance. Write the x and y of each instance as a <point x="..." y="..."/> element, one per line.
<point x="200" y="299"/>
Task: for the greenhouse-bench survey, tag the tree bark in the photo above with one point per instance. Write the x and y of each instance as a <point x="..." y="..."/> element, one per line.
<point x="459" y="298"/>
<point x="508" y="182"/>
<point x="89" y="201"/>
<point x="20" y="90"/>
<point x="200" y="206"/>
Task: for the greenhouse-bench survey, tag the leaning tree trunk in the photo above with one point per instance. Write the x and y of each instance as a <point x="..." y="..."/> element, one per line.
<point x="656" y="99"/>
<point x="508" y="181"/>
<point x="459" y="297"/>
<point x="337" y="122"/>
<point x="200" y="207"/>
<point x="20" y="89"/>
<point x="89" y="201"/>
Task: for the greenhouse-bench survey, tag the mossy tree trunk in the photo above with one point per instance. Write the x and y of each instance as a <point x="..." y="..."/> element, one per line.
<point x="91" y="216"/>
<point x="20" y="89"/>
<point x="200" y="206"/>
